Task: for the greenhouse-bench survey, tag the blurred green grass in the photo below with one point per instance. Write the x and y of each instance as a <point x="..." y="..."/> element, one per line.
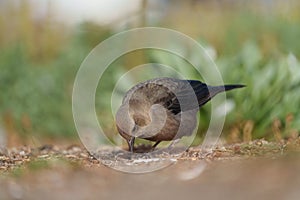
<point x="39" y="60"/>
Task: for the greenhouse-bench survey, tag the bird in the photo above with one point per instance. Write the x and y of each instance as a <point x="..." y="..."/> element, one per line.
<point x="163" y="109"/>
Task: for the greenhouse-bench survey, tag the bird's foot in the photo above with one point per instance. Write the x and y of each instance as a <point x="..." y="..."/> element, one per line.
<point x="155" y="145"/>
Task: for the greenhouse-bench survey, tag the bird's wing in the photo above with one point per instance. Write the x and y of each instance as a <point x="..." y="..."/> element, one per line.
<point x="155" y="91"/>
<point x="179" y="95"/>
<point x="174" y="94"/>
<point x="202" y="91"/>
<point x="150" y="88"/>
<point x="190" y="95"/>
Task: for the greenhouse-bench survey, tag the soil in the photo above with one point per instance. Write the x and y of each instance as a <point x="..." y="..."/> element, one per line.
<point x="254" y="170"/>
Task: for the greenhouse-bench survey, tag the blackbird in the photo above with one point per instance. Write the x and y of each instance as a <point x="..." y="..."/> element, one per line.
<point x="163" y="109"/>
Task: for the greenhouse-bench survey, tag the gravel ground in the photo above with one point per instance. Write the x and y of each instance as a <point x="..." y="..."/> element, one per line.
<point x="254" y="170"/>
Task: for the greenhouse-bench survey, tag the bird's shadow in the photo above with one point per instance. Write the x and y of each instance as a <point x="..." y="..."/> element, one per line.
<point x="143" y="148"/>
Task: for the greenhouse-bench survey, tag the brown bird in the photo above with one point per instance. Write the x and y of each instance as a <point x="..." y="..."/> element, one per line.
<point x="163" y="109"/>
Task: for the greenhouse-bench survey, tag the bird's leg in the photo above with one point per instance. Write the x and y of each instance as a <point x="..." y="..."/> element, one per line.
<point x="156" y="143"/>
<point x="131" y="144"/>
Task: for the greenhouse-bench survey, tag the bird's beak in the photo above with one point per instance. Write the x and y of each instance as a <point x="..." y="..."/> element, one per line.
<point x="132" y="138"/>
<point x="131" y="144"/>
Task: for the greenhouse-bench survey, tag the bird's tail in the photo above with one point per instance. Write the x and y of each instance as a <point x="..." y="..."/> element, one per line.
<point x="214" y="90"/>
<point x="231" y="87"/>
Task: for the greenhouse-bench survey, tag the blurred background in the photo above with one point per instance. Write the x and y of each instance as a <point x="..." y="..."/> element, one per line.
<point x="43" y="43"/>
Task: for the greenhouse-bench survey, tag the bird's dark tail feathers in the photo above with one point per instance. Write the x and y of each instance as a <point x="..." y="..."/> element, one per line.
<point x="214" y="90"/>
<point x="231" y="87"/>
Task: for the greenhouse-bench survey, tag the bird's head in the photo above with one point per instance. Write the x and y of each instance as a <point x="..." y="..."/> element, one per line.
<point x="138" y="120"/>
<point x="150" y="122"/>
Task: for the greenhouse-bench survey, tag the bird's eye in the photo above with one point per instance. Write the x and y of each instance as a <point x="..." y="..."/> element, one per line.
<point x="139" y="120"/>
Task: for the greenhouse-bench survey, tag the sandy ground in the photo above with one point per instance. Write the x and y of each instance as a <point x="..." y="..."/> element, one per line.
<point x="259" y="170"/>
